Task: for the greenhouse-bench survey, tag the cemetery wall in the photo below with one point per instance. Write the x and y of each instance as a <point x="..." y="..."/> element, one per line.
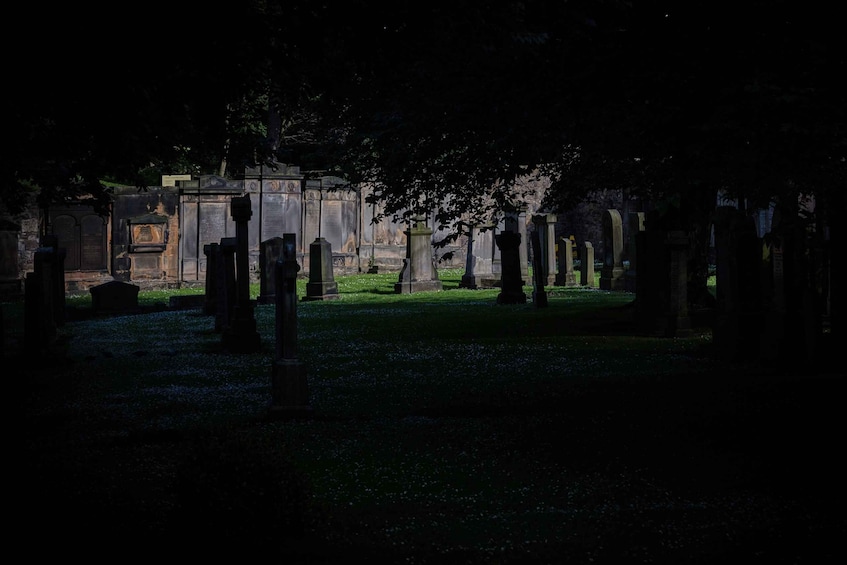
<point x="157" y="237"/>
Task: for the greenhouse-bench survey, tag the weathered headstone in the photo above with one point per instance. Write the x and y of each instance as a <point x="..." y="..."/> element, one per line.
<point x="57" y="255"/>
<point x="419" y="272"/>
<point x="241" y="336"/>
<point x="635" y="224"/>
<point x="773" y="344"/>
<point x="661" y="292"/>
<point x="511" y="288"/>
<point x="10" y="281"/>
<point x="225" y="277"/>
<point x="213" y="258"/>
<point x="289" y="383"/>
<point x="612" y="273"/>
<point x="738" y="256"/>
<point x="114" y="297"/>
<point x="539" y="296"/>
<point x="545" y="226"/>
<point x="321" y="285"/>
<point x="565" y="276"/>
<point x="270" y="251"/>
<point x="469" y="278"/>
<point x="586" y="268"/>
<point x="40" y="330"/>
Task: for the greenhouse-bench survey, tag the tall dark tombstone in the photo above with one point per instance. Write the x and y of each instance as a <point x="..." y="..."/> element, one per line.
<point x="50" y="244"/>
<point x="213" y="258"/>
<point x="545" y="226"/>
<point x="565" y="275"/>
<point x="225" y="277"/>
<point x="419" y="272"/>
<point x="586" y="269"/>
<point x="270" y="251"/>
<point x="635" y="225"/>
<point x="289" y="384"/>
<point x="242" y="336"/>
<point x="661" y="291"/>
<point x="539" y="277"/>
<point x="774" y="346"/>
<point x="40" y="328"/>
<point x="321" y="285"/>
<point x="612" y="273"/>
<point x="738" y="257"/>
<point x="469" y="278"/>
<point x="511" y="287"/>
<point x="676" y="322"/>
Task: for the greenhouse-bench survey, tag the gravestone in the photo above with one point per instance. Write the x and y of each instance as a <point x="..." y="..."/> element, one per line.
<point x="612" y="273"/>
<point x="511" y="287"/>
<point x="661" y="292"/>
<point x="774" y="345"/>
<point x="539" y="296"/>
<point x="225" y="285"/>
<point x="419" y="272"/>
<point x="565" y="276"/>
<point x="635" y="224"/>
<point x="212" y="251"/>
<point x="40" y="331"/>
<point x="321" y="285"/>
<point x="270" y="251"/>
<point x="469" y="278"/>
<point x="289" y="383"/>
<point x="56" y="257"/>
<point x="545" y="226"/>
<point x="115" y="297"/>
<point x="10" y="281"/>
<point x="241" y="336"/>
<point x="738" y="256"/>
<point x="586" y="269"/>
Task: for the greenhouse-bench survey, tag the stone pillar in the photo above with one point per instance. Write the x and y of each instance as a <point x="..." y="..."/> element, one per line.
<point x="511" y="292"/>
<point x="678" y="323"/>
<point x="586" y="270"/>
<point x="515" y="221"/>
<point x="270" y="251"/>
<point x="213" y="258"/>
<point x="566" y="275"/>
<point x="321" y="285"/>
<point x="225" y="277"/>
<point x="738" y="256"/>
<point x="419" y="272"/>
<point x="612" y="273"/>
<point x="241" y="336"/>
<point x="539" y="278"/>
<point x="545" y="225"/>
<point x="40" y="330"/>
<point x="289" y="384"/>
<point x="50" y="244"/>
<point x="635" y="224"/>
<point x="469" y="278"/>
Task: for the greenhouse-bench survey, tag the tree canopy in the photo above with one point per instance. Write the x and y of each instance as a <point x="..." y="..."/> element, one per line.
<point x="437" y="105"/>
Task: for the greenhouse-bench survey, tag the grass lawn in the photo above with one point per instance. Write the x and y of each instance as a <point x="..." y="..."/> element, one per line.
<point x="446" y="429"/>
